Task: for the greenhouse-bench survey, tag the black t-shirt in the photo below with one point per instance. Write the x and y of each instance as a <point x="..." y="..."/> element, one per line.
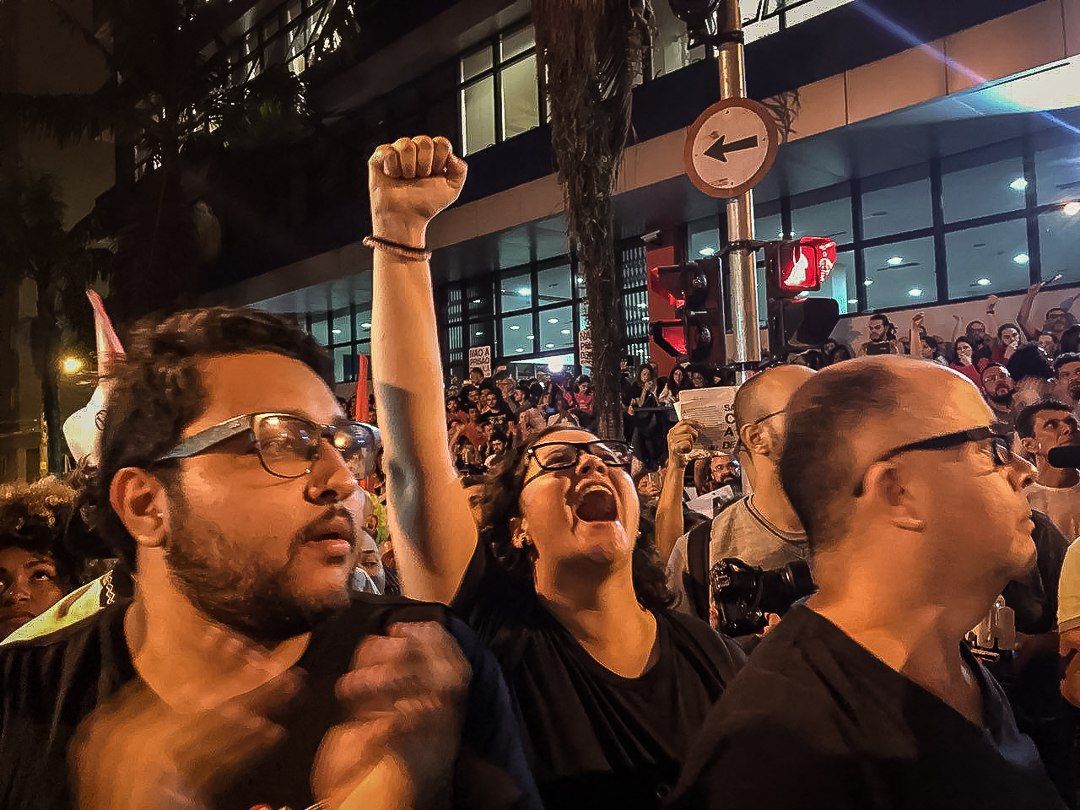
<point x="593" y="738"/>
<point x="50" y="684"/>
<point x="815" y="720"/>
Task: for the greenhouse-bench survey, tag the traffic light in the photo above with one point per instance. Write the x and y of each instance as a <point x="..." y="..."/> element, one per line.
<point x="798" y="266"/>
<point x="696" y="291"/>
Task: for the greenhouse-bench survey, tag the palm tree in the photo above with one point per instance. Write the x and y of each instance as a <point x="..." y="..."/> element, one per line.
<point x="34" y="246"/>
<point x="175" y="99"/>
<point x="591" y="52"/>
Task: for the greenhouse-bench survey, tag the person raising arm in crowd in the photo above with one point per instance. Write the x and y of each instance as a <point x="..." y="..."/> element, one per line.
<point x="760" y="529"/>
<point x="610" y="685"/>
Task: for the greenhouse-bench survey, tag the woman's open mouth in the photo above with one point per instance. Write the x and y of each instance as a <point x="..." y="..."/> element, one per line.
<point x="597" y="503"/>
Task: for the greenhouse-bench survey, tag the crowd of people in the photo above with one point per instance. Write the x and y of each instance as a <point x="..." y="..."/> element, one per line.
<point x="517" y="612"/>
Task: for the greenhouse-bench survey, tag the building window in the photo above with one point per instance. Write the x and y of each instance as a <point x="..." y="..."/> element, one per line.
<point x="900" y="274"/>
<point x="499" y="90"/>
<point x="987" y="259"/>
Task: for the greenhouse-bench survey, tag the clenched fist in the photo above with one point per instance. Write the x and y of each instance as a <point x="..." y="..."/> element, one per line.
<point x="410" y="181"/>
<point x="681" y="440"/>
<point x="405" y="698"/>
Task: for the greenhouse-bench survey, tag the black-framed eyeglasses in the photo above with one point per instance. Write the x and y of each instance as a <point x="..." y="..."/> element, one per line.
<point x="768" y="416"/>
<point x="1000" y="452"/>
<point x="565" y="455"/>
<point x="288" y="445"/>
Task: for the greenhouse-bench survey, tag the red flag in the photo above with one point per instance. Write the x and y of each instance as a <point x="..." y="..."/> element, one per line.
<point x="362" y="409"/>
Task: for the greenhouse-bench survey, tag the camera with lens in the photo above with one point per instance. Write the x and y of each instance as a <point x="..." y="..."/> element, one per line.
<point x="744" y="594"/>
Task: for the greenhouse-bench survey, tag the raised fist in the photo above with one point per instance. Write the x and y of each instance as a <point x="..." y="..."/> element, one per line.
<point x="410" y="181"/>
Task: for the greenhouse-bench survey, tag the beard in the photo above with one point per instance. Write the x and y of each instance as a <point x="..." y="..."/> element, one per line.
<point x="1001" y="399"/>
<point x="242" y="592"/>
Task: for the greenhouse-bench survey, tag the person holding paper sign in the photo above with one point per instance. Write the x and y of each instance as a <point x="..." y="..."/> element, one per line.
<point x="760" y="529"/>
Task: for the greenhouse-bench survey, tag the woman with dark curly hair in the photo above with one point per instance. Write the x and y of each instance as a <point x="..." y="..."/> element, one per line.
<point x="35" y="568"/>
<point x="609" y="683"/>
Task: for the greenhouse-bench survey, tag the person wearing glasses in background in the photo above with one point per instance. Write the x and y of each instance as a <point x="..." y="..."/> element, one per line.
<point x="761" y="528"/>
<point x="865" y="697"/>
<point x="241" y="673"/>
<point x="610" y="684"/>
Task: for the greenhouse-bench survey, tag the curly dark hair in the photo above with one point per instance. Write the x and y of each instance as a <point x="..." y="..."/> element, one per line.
<point x="35" y="518"/>
<point x="500" y="502"/>
<point x="157" y="392"/>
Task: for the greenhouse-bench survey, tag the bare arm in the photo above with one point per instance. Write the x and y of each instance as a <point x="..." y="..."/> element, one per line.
<point x="1023" y="317"/>
<point x="434" y="531"/>
<point x="669" y="509"/>
<point x="991" y="317"/>
<point x="957" y="320"/>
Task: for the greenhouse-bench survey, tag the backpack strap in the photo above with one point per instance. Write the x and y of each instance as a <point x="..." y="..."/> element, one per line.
<point x="696" y="579"/>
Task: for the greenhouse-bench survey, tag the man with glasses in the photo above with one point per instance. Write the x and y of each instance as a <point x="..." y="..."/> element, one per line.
<point x="760" y="529"/>
<point x="241" y="673"/>
<point x="998" y="389"/>
<point x="865" y="697"/>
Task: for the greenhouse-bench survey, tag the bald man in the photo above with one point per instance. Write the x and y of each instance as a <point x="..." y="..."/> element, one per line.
<point x="865" y="697"/>
<point x="761" y="528"/>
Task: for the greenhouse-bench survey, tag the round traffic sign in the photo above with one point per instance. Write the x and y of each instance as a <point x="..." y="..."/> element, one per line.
<point x="730" y="147"/>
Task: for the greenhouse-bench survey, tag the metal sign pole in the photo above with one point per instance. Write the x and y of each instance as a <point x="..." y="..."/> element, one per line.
<point x="739" y="210"/>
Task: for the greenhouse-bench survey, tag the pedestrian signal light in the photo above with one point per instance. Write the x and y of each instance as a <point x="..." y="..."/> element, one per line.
<point x="799" y="266"/>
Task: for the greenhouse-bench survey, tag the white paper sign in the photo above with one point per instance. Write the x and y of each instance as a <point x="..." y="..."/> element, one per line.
<point x="585" y="347"/>
<point x="713" y="409"/>
<point x="480" y="357"/>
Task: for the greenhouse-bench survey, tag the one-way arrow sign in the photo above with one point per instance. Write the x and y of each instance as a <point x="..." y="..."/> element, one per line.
<point x="730" y="147"/>
<point x="719" y="150"/>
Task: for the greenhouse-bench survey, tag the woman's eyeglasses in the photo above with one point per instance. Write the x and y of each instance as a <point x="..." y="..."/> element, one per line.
<point x="288" y="445"/>
<point x="564" y="455"/>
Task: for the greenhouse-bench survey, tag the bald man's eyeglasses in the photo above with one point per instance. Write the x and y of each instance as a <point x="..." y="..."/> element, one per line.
<point x="767" y="417"/>
<point x="1000" y="453"/>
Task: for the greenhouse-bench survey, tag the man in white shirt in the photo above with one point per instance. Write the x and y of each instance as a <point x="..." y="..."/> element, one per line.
<point x="1056" y="492"/>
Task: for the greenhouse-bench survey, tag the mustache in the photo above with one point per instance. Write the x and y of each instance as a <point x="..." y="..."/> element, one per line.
<point x="335" y="520"/>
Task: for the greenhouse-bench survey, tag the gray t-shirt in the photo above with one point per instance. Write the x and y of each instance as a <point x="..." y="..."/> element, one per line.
<point x="741" y="532"/>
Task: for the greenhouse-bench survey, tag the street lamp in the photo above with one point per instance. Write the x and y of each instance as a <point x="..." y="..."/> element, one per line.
<point x="72" y="365"/>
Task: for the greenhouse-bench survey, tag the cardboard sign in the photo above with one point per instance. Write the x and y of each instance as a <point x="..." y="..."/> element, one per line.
<point x="585" y="347"/>
<point x="713" y="409"/>
<point x="480" y="357"/>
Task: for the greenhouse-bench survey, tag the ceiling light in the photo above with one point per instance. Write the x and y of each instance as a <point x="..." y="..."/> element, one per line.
<point x="549" y="345"/>
<point x="914" y="292"/>
<point x="894" y="261"/>
<point x="71" y="365"/>
<point x="478" y="334"/>
<point x="365" y="325"/>
<point x="868" y="282"/>
<point x="707" y="251"/>
<point x="1019" y="184"/>
<point x="1071" y="209"/>
<point x="983" y="282"/>
<point x="519" y="350"/>
<point x="335" y="331"/>
<point x="555" y="366"/>
<point x="523" y="292"/>
<point x="553" y="320"/>
<point x="853" y="300"/>
<point x="476" y="300"/>
<point x="528" y="337"/>
<point x="514" y="328"/>
<point x="1021" y="258"/>
<point x="564" y="332"/>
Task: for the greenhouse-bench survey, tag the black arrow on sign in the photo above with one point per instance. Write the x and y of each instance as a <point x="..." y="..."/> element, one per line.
<point x="719" y="150"/>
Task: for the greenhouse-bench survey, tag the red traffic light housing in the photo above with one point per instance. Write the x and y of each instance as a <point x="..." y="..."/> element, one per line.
<point x="696" y="291"/>
<point x="798" y="266"/>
